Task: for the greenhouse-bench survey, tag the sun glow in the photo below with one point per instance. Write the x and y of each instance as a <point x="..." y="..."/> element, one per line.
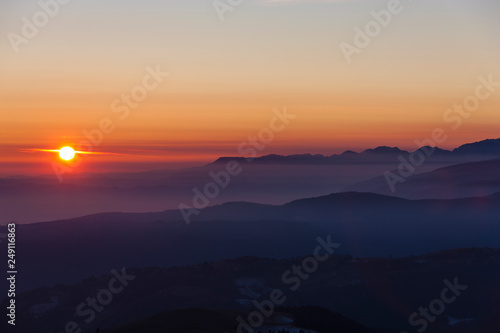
<point x="67" y="153"/>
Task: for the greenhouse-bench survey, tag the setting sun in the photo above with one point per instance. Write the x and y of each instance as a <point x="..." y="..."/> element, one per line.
<point x="67" y="153"/>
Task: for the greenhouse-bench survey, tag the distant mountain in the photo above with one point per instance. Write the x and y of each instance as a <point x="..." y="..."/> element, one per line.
<point x="365" y="224"/>
<point x="384" y="150"/>
<point x="271" y="179"/>
<point x="456" y="181"/>
<point x="482" y="149"/>
<point x="375" y="292"/>
<point x="485" y="147"/>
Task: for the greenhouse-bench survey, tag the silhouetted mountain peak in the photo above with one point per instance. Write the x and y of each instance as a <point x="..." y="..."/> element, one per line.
<point x="435" y="150"/>
<point x="384" y="150"/>
<point x="346" y="197"/>
<point x="489" y="146"/>
<point x="226" y="159"/>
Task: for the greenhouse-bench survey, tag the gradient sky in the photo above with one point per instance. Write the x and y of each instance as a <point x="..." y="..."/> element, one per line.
<point x="226" y="78"/>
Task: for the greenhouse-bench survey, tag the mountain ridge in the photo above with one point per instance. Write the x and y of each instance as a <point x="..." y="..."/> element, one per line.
<point x="484" y="147"/>
<point x="463" y="180"/>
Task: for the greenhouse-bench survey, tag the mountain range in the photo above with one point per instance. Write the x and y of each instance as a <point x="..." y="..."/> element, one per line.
<point x="365" y="224"/>
<point x="478" y="150"/>
<point x="456" y="181"/>
<point x="271" y="179"/>
<point x="233" y="252"/>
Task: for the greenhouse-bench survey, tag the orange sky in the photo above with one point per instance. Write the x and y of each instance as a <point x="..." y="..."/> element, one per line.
<point x="226" y="78"/>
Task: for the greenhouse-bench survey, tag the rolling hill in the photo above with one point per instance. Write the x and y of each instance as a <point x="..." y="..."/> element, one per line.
<point x="365" y="224"/>
<point x="374" y="292"/>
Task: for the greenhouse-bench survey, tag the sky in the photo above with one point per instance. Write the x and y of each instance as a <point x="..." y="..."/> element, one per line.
<point x="225" y="78"/>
